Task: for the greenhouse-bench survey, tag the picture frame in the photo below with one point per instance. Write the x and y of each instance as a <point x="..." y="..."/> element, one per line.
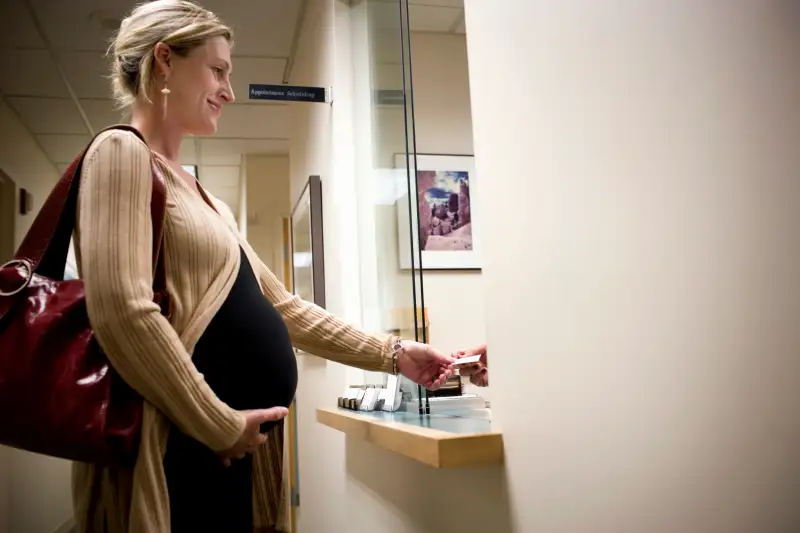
<point x="308" y="255"/>
<point x="447" y="207"/>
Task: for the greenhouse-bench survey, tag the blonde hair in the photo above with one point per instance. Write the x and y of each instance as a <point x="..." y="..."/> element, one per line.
<point x="180" y="24"/>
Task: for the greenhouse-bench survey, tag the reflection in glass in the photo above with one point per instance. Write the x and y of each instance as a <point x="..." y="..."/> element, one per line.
<point x="302" y="255"/>
<point x="308" y="267"/>
<point x="393" y="300"/>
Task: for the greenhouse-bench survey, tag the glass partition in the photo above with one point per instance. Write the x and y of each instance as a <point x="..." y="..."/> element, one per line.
<point x="392" y="295"/>
<point x="406" y="197"/>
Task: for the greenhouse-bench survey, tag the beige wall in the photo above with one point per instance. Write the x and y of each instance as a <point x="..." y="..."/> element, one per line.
<point x="642" y="317"/>
<point x="267" y="200"/>
<point x="34" y="490"/>
<point x="320" y="453"/>
<point x="241" y="213"/>
<point x="23" y="160"/>
<point x="651" y="326"/>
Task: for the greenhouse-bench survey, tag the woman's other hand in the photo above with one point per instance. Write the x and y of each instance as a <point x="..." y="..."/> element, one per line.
<point x="424" y="365"/>
<point x="479" y="372"/>
<point x="252" y="437"/>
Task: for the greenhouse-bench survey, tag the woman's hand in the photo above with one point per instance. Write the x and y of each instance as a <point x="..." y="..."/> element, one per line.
<point x="424" y="365"/>
<point x="252" y="437"/>
<point x="479" y="372"/>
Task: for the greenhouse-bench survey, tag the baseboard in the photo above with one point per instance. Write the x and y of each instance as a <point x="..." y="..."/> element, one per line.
<point x="66" y="527"/>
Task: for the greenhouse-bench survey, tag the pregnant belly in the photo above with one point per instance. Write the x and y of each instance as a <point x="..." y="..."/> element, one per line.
<point x="246" y="355"/>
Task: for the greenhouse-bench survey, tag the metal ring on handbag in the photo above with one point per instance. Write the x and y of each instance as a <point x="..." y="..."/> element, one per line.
<point x="28" y="277"/>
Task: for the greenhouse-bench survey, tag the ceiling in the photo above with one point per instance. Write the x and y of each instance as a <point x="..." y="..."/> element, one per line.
<point x="53" y="75"/>
<point x="437" y="16"/>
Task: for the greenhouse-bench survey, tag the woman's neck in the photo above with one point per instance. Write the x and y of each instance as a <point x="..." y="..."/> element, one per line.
<point x="158" y="134"/>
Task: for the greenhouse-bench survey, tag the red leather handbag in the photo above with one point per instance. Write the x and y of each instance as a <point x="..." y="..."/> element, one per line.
<point x="59" y="395"/>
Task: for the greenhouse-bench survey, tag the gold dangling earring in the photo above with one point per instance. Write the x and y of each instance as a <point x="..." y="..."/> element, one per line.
<point x="165" y="91"/>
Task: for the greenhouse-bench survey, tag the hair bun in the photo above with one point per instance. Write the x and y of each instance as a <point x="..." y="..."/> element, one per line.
<point x="180" y="24"/>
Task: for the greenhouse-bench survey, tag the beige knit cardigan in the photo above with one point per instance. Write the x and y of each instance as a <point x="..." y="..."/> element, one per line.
<point x="114" y="254"/>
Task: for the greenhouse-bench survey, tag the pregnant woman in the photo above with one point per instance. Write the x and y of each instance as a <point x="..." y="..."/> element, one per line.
<point x="220" y="369"/>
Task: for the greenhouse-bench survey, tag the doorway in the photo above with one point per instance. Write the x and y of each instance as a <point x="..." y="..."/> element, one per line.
<point x="8" y="194"/>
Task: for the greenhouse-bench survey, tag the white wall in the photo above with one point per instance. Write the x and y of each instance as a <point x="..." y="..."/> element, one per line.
<point x="267" y="199"/>
<point x="651" y="325"/>
<point x="320" y="146"/>
<point x="646" y="310"/>
<point x="34" y="490"/>
<point x="224" y="180"/>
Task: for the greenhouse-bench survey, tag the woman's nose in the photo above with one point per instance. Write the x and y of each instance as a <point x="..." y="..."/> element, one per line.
<point x="228" y="96"/>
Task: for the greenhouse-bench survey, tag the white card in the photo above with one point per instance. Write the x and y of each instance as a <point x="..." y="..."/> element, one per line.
<point x="471" y="360"/>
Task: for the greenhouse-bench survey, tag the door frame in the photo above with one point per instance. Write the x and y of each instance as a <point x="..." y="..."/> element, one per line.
<point x="292" y="417"/>
<point x="8" y="216"/>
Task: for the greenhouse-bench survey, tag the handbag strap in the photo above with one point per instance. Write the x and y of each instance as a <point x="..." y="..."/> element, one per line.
<point x="46" y="244"/>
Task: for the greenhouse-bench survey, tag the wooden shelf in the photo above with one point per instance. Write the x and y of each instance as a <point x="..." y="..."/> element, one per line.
<point x="418" y="438"/>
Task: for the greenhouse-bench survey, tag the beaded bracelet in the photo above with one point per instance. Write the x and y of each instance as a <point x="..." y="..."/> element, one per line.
<point x="397" y="349"/>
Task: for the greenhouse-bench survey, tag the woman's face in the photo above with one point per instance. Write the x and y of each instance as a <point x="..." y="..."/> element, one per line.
<point x="199" y="84"/>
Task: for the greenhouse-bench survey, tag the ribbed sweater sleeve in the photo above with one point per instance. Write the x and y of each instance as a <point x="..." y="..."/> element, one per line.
<point x="318" y="332"/>
<point x="115" y="246"/>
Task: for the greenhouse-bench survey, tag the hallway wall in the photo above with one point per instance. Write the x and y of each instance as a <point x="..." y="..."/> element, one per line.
<point x="645" y="365"/>
<point x="322" y="471"/>
<point x="34" y="490"/>
<point x="23" y="160"/>
<point x="267" y="192"/>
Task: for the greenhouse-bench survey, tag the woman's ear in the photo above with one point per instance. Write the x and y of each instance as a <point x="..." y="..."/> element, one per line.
<point x="163" y="58"/>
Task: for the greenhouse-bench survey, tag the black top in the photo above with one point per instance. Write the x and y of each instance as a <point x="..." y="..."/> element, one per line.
<point x="245" y="352"/>
<point x="247" y="359"/>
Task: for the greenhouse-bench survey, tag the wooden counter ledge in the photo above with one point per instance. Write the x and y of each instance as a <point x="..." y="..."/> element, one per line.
<point x="433" y="447"/>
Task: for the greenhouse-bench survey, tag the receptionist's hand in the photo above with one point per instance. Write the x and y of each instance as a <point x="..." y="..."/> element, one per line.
<point x="479" y="372"/>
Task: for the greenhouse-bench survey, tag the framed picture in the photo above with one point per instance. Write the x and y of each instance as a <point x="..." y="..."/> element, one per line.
<point x="444" y="213"/>
<point x="308" y="256"/>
